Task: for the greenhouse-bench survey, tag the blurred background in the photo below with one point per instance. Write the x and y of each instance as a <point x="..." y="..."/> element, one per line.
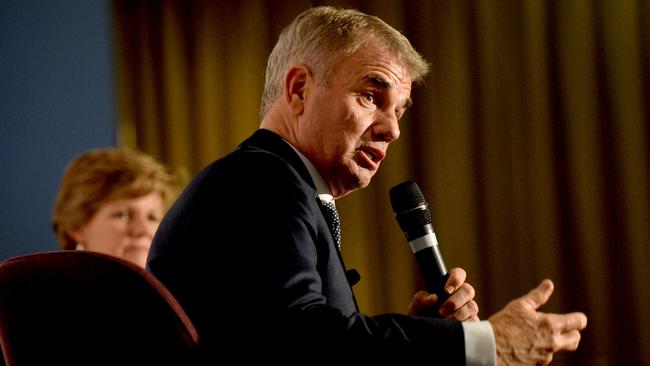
<point x="529" y="139"/>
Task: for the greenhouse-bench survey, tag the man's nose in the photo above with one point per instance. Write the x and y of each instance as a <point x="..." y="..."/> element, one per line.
<point x="386" y="127"/>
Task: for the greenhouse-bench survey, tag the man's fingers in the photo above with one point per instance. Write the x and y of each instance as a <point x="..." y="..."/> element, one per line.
<point x="456" y="278"/>
<point x="564" y="323"/>
<point x="421" y="299"/>
<point x="565" y="329"/>
<point x="568" y="341"/>
<point x="574" y="321"/>
<point x="462" y="296"/>
<point x="468" y="311"/>
<point x="540" y="295"/>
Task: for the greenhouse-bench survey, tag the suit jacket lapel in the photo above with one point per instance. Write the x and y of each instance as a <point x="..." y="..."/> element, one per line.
<point x="270" y="141"/>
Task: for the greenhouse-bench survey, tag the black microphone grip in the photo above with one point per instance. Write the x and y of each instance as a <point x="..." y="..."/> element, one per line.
<point x="432" y="267"/>
<point x="433" y="276"/>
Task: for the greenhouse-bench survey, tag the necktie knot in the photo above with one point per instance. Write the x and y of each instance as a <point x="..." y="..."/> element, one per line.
<point x="333" y="221"/>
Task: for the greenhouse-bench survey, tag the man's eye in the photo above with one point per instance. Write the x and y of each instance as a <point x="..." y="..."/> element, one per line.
<point x="368" y="97"/>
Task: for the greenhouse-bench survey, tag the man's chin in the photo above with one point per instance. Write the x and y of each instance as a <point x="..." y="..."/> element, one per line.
<point x="355" y="182"/>
<point x="364" y="178"/>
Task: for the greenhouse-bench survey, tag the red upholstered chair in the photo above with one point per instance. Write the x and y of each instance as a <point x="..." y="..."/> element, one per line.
<point x="85" y="308"/>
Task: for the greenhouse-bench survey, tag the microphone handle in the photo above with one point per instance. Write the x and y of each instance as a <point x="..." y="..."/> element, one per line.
<point x="432" y="268"/>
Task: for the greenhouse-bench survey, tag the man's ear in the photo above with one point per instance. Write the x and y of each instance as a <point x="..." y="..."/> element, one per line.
<point x="295" y="88"/>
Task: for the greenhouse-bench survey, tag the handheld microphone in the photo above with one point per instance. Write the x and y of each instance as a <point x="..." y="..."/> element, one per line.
<point x="414" y="218"/>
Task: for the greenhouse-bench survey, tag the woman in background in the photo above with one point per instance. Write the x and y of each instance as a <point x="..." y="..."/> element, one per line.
<point x="111" y="201"/>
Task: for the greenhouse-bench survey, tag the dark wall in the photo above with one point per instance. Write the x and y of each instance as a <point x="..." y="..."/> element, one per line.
<point x="56" y="100"/>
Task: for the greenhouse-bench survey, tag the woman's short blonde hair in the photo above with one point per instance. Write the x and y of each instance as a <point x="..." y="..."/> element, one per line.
<point x="99" y="176"/>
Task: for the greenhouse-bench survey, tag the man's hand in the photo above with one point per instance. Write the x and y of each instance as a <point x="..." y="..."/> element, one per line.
<point x="460" y="305"/>
<point x="527" y="337"/>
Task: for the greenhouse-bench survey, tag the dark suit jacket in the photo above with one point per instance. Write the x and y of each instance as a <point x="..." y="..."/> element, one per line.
<point x="248" y="253"/>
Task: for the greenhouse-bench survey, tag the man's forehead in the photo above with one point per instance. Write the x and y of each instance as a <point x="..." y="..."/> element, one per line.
<point x="375" y="55"/>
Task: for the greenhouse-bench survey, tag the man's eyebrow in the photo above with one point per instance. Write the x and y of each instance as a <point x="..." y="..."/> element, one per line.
<point x="379" y="82"/>
<point x="384" y="84"/>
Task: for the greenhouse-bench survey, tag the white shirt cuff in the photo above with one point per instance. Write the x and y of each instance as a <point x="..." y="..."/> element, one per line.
<point x="480" y="346"/>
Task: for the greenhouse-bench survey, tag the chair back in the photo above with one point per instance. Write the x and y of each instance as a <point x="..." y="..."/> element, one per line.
<point x="81" y="307"/>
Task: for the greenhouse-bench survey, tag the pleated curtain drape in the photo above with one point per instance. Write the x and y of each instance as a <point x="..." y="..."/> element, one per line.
<point x="529" y="139"/>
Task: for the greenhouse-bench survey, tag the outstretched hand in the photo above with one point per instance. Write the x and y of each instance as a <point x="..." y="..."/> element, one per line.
<point x="525" y="336"/>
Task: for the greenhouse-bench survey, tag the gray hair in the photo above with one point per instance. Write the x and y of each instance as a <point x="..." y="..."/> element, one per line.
<point x="323" y="36"/>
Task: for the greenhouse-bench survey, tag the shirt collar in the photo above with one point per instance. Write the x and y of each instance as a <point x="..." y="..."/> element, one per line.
<point x="322" y="189"/>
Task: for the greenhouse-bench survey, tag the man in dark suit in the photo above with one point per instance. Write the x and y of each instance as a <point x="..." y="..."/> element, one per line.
<point x="248" y="250"/>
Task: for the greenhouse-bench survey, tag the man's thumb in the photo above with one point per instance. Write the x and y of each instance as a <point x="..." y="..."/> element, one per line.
<point x="540" y="295"/>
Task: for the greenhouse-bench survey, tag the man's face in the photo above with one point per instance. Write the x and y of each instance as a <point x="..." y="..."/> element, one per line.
<point x="348" y="123"/>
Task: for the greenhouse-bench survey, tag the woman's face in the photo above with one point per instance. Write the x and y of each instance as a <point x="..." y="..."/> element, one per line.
<point x="123" y="228"/>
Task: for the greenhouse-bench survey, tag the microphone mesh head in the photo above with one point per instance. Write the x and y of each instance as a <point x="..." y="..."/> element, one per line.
<point x="406" y="196"/>
<point x="410" y="208"/>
